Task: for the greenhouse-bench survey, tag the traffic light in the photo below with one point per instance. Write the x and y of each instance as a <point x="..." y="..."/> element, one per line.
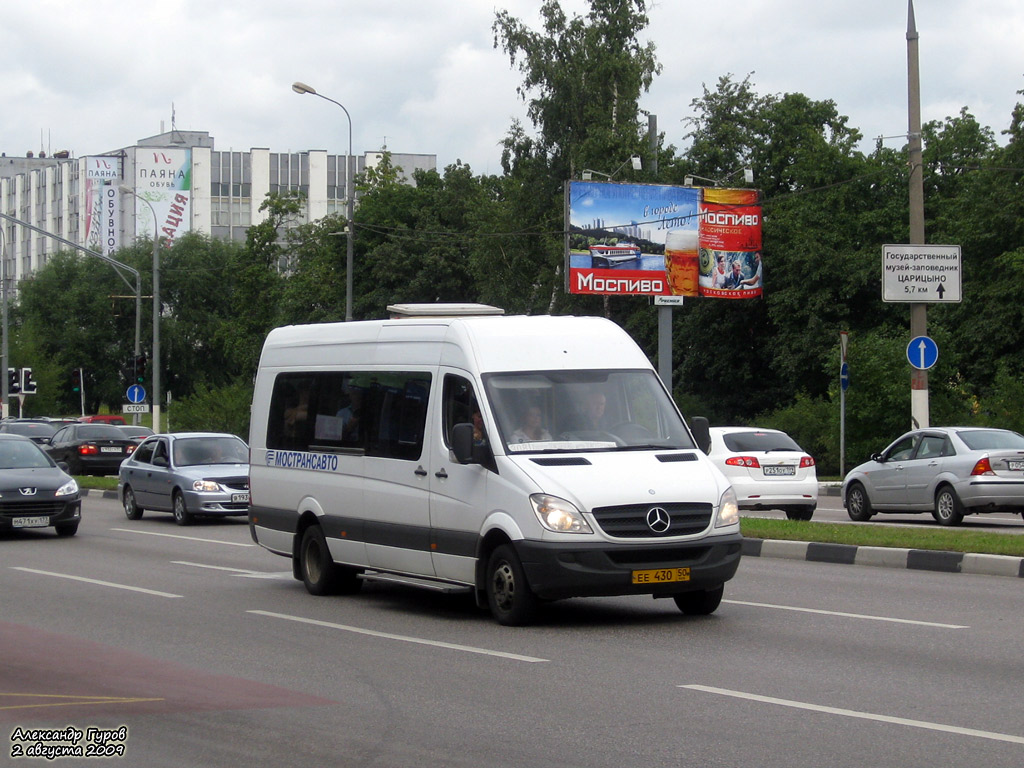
<point x="13" y="381"/>
<point x="76" y="380"/>
<point x="140" y="369"/>
<point x="28" y="384"/>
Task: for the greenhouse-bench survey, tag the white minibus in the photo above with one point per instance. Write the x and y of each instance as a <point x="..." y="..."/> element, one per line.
<point x="524" y="459"/>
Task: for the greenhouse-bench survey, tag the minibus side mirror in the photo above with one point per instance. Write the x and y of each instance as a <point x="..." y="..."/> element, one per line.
<point x="462" y="443"/>
<point x="701" y="429"/>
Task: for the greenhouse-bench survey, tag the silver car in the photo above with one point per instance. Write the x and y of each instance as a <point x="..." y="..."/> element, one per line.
<point x="948" y="471"/>
<point x="189" y="474"/>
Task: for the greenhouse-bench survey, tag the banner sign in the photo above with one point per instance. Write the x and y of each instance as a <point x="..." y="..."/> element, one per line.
<point x="102" y="205"/>
<point x="662" y="240"/>
<point x="164" y="178"/>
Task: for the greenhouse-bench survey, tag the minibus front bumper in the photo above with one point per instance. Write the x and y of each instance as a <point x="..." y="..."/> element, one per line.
<point x="559" y="570"/>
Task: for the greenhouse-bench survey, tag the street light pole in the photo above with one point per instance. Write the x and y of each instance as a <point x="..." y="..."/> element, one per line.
<point x="303" y="88"/>
<point x="156" y="308"/>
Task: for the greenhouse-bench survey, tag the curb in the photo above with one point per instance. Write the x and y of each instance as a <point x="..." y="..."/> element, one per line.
<point x="886" y="557"/>
<point x="95" y="492"/>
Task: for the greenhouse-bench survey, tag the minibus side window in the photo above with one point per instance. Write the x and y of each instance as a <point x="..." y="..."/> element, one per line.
<point x="460" y="406"/>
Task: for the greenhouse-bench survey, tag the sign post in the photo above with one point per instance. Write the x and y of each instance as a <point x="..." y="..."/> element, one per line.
<point x="844" y="382"/>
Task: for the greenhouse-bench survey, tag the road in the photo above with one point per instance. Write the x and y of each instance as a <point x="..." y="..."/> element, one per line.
<point x="207" y="652"/>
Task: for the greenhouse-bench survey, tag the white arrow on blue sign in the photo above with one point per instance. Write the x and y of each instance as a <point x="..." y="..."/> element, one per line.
<point x="922" y="352"/>
<point x="136" y="393"/>
<point x="844" y="376"/>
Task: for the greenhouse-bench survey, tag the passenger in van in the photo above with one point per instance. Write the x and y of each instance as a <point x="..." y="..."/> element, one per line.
<point x="532" y="428"/>
<point x="479" y="434"/>
<point x="350" y="414"/>
<point x="593" y="411"/>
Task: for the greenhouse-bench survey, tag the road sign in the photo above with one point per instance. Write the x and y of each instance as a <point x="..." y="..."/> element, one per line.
<point x="921" y="273"/>
<point x="922" y="352"/>
<point x="136" y="394"/>
<point x="135" y="408"/>
<point x="844" y="376"/>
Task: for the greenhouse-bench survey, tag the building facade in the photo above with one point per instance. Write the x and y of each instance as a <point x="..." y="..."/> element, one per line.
<point x="167" y="184"/>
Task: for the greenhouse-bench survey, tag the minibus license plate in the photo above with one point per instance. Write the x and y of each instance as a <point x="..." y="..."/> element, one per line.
<point x="240" y="497"/>
<point x="30" y="522"/>
<point x="661" y="575"/>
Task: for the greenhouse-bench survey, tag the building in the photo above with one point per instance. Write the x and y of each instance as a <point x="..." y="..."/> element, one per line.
<point x="103" y="202"/>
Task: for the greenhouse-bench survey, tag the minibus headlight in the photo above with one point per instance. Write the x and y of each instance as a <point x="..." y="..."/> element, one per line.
<point x="728" y="510"/>
<point x="558" y="515"/>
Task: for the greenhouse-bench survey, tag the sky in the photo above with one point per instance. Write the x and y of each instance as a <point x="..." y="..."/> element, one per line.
<point x="423" y="76"/>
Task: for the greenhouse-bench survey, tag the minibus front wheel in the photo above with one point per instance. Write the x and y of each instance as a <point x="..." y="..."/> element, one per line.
<point x="509" y="596"/>
<point x="320" y="574"/>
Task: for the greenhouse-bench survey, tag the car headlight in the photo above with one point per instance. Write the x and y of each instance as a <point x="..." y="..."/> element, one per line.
<point x="558" y="515"/>
<point x="728" y="510"/>
<point x="70" y="488"/>
<point x="206" y="485"/>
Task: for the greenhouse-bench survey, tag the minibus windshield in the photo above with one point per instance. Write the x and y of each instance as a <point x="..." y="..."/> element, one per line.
<point x="591" y="410"/>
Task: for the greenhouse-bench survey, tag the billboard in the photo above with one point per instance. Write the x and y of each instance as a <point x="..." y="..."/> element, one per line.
<point x="164" y="178"/>
<point x="663" y="240"/>
<point x="102" y="204"/>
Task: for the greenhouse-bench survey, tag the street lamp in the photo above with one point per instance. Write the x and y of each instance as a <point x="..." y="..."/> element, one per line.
<point x="303" y="88"/>
<point x="634" y="160"/>
<point x="156" y="307"/>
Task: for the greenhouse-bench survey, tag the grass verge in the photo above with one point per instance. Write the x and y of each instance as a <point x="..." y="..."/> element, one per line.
<point x="867" y="535"/>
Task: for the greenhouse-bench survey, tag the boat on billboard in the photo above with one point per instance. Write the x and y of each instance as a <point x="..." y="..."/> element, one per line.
<point x="663" y="240"/>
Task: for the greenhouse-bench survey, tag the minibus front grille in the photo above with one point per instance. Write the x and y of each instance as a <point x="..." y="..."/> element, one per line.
<point x="634" y="521"/>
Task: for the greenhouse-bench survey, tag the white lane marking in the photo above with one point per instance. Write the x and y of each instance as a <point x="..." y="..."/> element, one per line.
<point x="213" y="567"/>
<point x="848" y="615"/>
<point x="860" y="715"/>
<point x="402" y="638"/>
<point x="94" y="581"/>
<point x="186" y="538"/>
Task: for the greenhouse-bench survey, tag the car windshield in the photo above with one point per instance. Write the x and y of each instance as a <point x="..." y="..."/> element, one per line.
<point x="560" y="411"/>
<point x="759" y="441"/>
<point x="18" y="454"/>
<point x="990" y="439"/>
<point x="193" y="451"/>
<point x="100" y="432"/>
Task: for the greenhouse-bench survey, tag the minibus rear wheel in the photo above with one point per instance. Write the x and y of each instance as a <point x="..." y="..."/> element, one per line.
<point x="509" y="596"/>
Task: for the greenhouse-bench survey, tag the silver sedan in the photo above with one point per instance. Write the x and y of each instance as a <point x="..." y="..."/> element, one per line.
<point x="948" y="471"/>
<point x="189" y="474"/>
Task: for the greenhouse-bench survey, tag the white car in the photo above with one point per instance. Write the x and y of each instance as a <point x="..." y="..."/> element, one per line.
<point x="767" y="469"/>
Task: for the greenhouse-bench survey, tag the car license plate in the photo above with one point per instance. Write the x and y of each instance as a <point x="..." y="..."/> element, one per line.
<point x="240" y="497"/>
<point x="30" y="522"/>
<point x="1016" y="464"/>
<point x="779" y="469"/>
<point x="661" y="575"/>
<point x="110" y="449"/>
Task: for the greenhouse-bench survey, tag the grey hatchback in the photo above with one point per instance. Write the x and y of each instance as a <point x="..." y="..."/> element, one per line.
<point x="188" y="474"/>
<point x="948" y="471"/>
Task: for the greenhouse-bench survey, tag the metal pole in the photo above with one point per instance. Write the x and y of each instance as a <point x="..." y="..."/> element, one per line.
<point x="4" y="405"/>
<point x="918" y="311"/>
<point x="349" y="194"/>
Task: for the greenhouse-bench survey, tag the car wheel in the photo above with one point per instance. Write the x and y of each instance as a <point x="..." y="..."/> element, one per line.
<point x="948" y="509"/>
<point x="181" y="514"/>
<point x="67" y="529"/>
<point x="509" y="596"/>
<point x="319" y="573"/>
<point x="700" y="603"/>
<point x="131" y="508"/>
<point x="800" y="513"/>
<point x="858" y="505"/>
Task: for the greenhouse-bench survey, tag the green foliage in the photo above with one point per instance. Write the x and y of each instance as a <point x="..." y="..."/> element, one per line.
<point x="224" y="409"/>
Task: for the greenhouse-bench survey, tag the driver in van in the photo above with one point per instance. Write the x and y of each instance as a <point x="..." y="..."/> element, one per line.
<point x="593" y="411"/>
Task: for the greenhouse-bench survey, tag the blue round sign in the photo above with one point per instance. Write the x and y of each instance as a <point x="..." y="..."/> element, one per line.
<point x="922" y="352"/>
<point x="136" y="393"/>
<point x="844" y="376"/>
